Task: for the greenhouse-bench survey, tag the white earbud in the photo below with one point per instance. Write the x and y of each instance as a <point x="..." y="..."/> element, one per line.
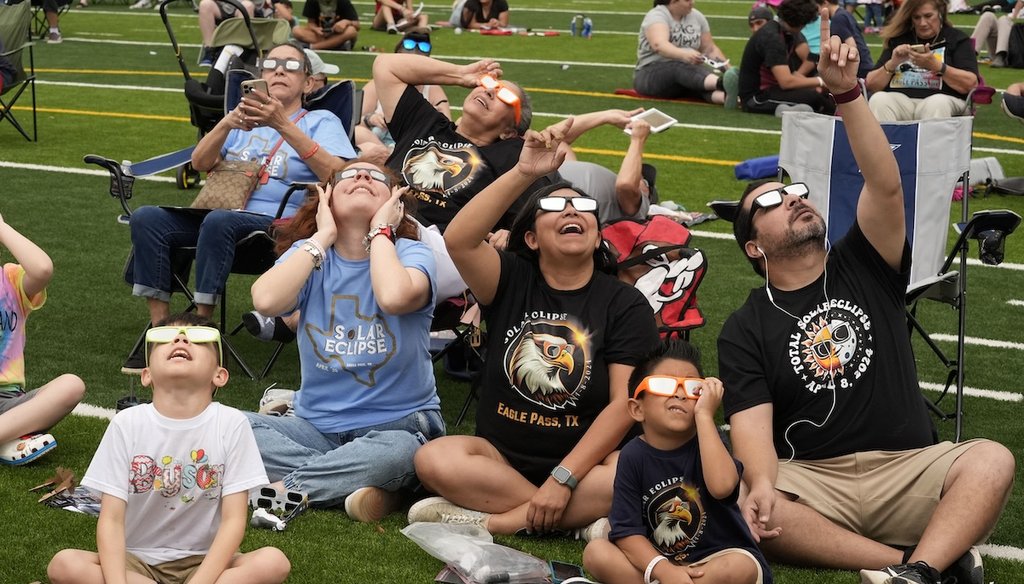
<point x="761" y="251"/>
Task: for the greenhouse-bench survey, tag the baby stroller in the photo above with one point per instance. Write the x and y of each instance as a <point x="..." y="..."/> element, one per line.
<point x="206" y="99"/>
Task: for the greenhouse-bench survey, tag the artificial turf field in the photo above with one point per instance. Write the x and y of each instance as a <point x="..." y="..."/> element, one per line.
<point x="113" y="88"/>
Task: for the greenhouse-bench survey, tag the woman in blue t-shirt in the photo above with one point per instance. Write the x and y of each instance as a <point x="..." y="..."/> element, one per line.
<point x="364" y="288"/>
<point x="311" y="144"/>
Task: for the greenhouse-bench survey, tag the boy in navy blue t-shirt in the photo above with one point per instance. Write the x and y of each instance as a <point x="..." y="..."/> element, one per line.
<point x="674" y="515"/>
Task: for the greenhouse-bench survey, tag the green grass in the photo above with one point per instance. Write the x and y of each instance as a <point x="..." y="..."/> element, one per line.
<point x="90" y="319"/>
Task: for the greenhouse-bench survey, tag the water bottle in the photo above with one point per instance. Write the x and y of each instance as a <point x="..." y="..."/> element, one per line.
<point x="588" y="27"/>
<point x="126" y="167"/>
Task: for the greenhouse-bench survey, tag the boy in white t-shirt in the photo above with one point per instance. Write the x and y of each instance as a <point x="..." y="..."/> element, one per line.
<point x="174" y="476"/>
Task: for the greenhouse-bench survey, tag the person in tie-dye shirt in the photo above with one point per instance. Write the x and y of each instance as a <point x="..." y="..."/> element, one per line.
<point x="26" y="415"/>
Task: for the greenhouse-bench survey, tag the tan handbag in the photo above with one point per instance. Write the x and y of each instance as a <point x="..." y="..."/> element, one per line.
<point x="230" y="184"/>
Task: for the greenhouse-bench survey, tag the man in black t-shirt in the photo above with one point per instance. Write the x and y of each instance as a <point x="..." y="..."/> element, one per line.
<point x="330" y="24"/>
<point x="821" y="387"/>
<point x="768" y="76"/>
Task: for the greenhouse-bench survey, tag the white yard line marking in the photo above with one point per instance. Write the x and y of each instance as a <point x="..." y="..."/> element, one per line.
<point x="992" y="343"/>
<point x="86" y="171"/>
<point x="1006" y="396"/>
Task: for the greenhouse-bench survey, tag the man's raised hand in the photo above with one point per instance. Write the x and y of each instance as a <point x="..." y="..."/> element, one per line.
<point x="839" y="61"/>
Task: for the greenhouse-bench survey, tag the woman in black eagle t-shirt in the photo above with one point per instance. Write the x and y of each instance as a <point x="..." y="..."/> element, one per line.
<point x="563" y="339"/>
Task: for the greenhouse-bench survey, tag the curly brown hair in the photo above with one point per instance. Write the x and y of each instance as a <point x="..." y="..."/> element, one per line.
<point x="302" y="225"/>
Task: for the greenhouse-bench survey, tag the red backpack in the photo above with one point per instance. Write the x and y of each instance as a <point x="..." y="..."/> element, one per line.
<point x="653" y="257"/>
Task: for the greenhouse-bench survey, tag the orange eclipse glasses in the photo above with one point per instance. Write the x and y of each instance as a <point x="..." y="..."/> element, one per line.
<point x="503" y="93"/>
<point x="667" y="385"/>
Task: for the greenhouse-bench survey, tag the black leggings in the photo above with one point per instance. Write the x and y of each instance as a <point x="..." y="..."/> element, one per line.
<point x="766" y="101"/>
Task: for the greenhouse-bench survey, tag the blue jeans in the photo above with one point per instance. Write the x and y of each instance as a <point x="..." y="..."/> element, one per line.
<point x="874" y="13"/>
<point x="156" y="231"/>
<point x="328" y="467"/>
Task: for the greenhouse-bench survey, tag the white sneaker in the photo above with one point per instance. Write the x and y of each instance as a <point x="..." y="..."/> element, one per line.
<point x="440" y="510"/>
<point x="371" y="504"/>
<point x="596" y="530"/>
<point x="792" y="107"/>
<point x="277" y="402"/>
<point x="141" y="4"/>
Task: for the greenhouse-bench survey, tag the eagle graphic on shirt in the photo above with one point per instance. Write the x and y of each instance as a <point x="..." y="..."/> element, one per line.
<point x="439" y="170"/>
<point x="676" y="519"/>
<point x="548" y="364"/>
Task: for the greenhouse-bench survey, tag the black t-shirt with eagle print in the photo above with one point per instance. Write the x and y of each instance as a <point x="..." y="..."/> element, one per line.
<point x="546" y="375"/>
<point x="661" y="495"/>
<point x="444" y="169"/>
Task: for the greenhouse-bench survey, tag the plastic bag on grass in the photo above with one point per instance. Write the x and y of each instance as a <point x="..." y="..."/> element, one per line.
<point x="472" y="552"/>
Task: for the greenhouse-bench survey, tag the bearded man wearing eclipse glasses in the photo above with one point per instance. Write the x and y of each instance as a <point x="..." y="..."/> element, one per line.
<point x="840" y="455"/>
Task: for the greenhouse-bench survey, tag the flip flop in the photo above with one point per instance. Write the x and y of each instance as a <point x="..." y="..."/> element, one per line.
<point x="26" y="449"/>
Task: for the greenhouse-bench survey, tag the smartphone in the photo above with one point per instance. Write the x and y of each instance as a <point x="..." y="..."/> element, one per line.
<point x="561" y="571"/>
<point x="918" y="48"/>
<point x="249" y="84"/>
<point x="658" y="121"/>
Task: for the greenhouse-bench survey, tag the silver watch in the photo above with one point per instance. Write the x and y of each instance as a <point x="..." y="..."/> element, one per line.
<point x="563" y="476"/>
<point x="318" y="258"/>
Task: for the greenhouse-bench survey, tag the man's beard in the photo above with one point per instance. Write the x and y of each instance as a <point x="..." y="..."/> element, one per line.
<point x="799" y="240"/>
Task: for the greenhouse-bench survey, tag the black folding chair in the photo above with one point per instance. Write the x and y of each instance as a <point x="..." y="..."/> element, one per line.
<point x="15" y="24"/>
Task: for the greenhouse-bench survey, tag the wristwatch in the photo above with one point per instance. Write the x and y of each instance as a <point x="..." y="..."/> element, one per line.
<point x="563" y="476"/>
<point x="387" y="230"/>
<point x="314" y="251"/>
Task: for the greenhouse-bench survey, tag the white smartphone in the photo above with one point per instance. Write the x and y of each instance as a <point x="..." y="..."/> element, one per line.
<point x="249" y="84"/>
<point x="658" y="120"/>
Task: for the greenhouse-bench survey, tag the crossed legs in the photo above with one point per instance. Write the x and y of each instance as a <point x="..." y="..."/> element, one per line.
<point x="266" y="565"/>
<point x="973" y="494"/>
<point x="470" y="472"/>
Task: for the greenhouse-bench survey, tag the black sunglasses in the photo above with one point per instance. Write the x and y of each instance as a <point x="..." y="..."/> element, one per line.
<point x="352" y="172"/>
<point x="557" y="204"/>
<point x="413" y="45"/>
<point x="773" y="198"/>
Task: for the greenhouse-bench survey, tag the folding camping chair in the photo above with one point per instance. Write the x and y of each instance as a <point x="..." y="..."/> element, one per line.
<point x="40" y="24"/>
<point x="254" y="254"/>
<point x="15" y="22"/>
<point x="654" y="257"/>
<point x="934" y="156"/>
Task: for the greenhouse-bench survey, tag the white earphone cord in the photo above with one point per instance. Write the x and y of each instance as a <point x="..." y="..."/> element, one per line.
<point x="832" y="373"/>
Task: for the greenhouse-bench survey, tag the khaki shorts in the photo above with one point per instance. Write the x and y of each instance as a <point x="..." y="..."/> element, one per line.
<point x="173" y="572"/>
<point x="885" y="496"/>
<point x="760" y="573"/>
